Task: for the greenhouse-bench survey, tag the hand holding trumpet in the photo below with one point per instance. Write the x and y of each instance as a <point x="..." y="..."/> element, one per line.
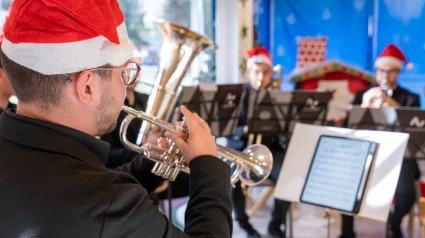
<point x="376" y="98"/>
<point x="199" y="142"/>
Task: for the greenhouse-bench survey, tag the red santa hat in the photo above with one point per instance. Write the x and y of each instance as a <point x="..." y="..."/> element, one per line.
<point x="392" y="55"/>
<point x="57" y="37"/>
<point x="259" y="55"/>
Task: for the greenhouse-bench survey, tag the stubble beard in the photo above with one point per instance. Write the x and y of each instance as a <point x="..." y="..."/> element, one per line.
<point x="107" y="116"/>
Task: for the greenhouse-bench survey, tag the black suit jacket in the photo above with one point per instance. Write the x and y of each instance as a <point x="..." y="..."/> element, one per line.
<point x="53" y="184"/>
<point x="409" y="169"/>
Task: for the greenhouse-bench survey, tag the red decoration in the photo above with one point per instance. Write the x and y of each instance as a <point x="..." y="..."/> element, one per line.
<point x="333" y="75"/>
<point x="311" y="51"/>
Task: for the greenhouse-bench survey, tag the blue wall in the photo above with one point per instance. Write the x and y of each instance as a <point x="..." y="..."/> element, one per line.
<point x="357" y="31"/>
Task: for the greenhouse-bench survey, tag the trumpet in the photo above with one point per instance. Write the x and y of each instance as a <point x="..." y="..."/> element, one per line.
<point x="252" y="166"/>
<point x="386" y="88"/>
<point x="277" y="78"/>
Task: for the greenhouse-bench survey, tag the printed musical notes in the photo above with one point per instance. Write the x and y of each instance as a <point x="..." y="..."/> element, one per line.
<point x="336" y="172"/>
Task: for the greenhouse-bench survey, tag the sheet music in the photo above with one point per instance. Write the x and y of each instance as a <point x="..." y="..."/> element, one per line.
<point x="336" y="172"/>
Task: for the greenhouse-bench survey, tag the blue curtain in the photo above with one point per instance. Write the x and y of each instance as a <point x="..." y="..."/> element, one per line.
<point x="357" y="31"/>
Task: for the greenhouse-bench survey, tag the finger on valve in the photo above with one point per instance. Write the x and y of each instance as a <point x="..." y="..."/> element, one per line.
<point x="162" y="142"/>
<point x="199" y="141"/>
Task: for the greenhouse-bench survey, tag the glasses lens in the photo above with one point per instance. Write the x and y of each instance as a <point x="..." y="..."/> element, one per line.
<point x="130" y="73"/>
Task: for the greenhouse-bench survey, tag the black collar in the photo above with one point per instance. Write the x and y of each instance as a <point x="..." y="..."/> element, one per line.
<point x="52" y="137"/>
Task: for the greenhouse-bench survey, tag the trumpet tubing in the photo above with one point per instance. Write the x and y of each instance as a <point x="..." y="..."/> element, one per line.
<point x="277" y="78"/>
<point x="253" y="165"/>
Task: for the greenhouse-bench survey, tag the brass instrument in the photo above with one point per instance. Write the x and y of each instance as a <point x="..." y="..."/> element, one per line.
<point x="253" y="165"/>
<point x="386" y="88"/>
<point x="179" y="47"/>
<point x="277" y="78"/>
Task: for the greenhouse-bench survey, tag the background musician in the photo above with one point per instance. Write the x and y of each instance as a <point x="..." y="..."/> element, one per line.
<point x="388" y="67"/>
<point x="260" y="73"/>
<point x="69" y="66"/>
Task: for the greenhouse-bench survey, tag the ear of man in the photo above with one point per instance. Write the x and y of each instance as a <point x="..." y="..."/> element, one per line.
<point x="86" y="87"/>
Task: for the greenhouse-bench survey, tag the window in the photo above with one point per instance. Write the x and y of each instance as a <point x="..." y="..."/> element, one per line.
<point x="194" y="14"/>
<point x="4" y="7"/>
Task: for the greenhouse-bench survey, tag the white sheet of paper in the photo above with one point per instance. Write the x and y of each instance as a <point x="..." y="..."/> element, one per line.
<point x="383" y="177"/>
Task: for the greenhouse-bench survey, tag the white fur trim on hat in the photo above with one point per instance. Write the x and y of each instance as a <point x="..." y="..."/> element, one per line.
<point x="62" y="58"/>
<point x="389" y="60"/>
<point x="259" y="59"/>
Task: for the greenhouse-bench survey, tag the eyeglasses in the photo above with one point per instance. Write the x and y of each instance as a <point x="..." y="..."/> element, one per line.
<point x="129" y="74"/>
<point x="392" y="71"/>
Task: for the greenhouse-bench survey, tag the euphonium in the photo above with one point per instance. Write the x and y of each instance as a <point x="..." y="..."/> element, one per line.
<point x="253" y="165"/>
<point x="277" y="78"/>
<point x="179" y="47"/>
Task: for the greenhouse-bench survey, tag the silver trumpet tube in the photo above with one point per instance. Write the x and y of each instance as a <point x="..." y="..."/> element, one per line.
<point x="386" y="88"/>
<point x="252" y="166"/>
<point x="277" y="78"/>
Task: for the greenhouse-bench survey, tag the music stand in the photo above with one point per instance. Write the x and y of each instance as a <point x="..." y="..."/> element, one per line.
<point x="402" y="119"/>
<point x="218" y="105"/>
<point x="308" y="107"/>
<point x="379" y="119"/>
<point x="273" y="111"/>
<point x="412" y="121"/>
<point x="267" y="110"/>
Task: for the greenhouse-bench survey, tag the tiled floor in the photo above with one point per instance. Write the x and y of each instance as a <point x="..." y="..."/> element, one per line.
<point x="309" y="222"/>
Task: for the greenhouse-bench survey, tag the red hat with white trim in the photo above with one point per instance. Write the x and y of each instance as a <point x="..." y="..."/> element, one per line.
<point x="259" y="55"/>
<point x="58" y="37"/>
<point x="392" y="55"/>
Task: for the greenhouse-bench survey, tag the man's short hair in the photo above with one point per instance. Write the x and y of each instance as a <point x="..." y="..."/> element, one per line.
<point x="32" y="86"/>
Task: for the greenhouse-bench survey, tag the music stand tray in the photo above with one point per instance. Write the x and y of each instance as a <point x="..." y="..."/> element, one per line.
<point x="274" y="112"/>
<point x="218" y="105"/>
<point x="403" y="119"/>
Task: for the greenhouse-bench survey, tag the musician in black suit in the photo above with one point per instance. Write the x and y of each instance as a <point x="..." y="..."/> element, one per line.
<point x="69" y="66"/>
<point x="389" y="94"/>
<point x="260" y="74"/>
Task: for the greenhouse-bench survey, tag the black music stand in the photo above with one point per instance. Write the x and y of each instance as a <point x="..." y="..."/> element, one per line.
<point x="402" y="119"/>
<point x="379" y="119"/>
<point x="267" y="111"/>
<point x="218" y="105"/>
<point x="412" y="121"/>
<point x="308" y="107"/>
<point x="272" y="112"/>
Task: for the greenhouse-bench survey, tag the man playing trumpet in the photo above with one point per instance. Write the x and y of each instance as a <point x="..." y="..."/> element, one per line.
<point x="69" y="66"/>
<point x="389" y="94"/>
<point x="260" y="74"/>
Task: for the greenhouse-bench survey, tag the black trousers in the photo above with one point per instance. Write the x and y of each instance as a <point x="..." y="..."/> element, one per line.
<point x="280" y="207"/>
<point x="405" y="197"/>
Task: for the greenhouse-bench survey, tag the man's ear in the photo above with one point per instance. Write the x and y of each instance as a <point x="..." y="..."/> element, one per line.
<point x="85" y="86"/>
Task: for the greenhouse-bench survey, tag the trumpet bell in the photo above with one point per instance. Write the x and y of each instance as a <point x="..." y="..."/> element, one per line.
<point x="257" y="166"/>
